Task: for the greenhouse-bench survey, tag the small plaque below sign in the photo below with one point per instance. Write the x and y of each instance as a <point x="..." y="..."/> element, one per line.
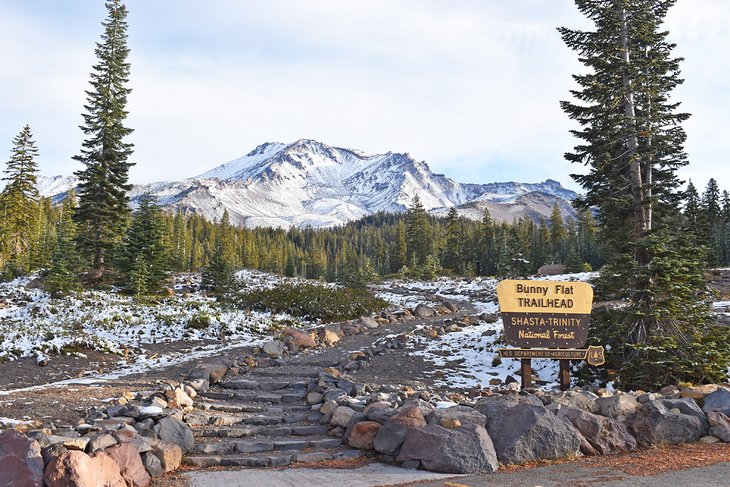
<point x="593" y="354"/>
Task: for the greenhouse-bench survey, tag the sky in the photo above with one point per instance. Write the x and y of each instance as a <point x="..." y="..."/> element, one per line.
<point x="472" y="87"/>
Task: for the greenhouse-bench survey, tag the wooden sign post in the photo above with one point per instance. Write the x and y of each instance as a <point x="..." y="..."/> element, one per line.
<point x="547" y="319"/>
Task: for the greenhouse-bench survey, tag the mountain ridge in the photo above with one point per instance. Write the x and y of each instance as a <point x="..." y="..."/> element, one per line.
<point x="308" y="183"/>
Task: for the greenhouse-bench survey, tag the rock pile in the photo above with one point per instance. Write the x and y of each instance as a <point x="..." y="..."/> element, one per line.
<point x="140" y="437"/>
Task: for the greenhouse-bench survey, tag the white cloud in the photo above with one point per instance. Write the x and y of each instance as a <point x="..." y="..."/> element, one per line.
<point x="472" y="87"/>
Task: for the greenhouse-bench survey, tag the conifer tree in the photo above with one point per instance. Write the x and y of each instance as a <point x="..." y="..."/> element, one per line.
<point x="143" y="259"/>
<point x="453" y="254"/>
<point x="417" y="234"/>
<point x="558" y="234"/>
<point x="65" y="262"/>
<point x="631" y="139"/>
<point x="103" y="211"/>
<point x="489" y="245"/>
<point x="19" y="202"/>
<point x="218" y="275"/>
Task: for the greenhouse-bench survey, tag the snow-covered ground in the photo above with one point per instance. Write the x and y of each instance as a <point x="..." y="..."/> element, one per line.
<point x="33" y="323"/>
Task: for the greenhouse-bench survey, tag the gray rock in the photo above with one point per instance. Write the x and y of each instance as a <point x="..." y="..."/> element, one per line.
<point x="718" y="401"/>
<point x="152" y="464"/>
<point x="525" y="432"/>
<point x="21" y="463"/>
<point x="100" y="442"/>
<point x="393" y="433"/>
<point x="341" y="416"/>
<point x="172" y="430"/>
<point x="719" y="425"/>
<point x="605" y="435"/>
<point x="274" y="348"/>
<point x="491" y="406"/>
<point x="465" y="450"/>
<point x="620" y="407"/>
<point x="379" y="411"/>
<point x="368" y="322"/>
<point x="663" y="422"/>
<point x="423" y="311"/>
<point x="464" y="414"/>
<point x="574" y="399"/>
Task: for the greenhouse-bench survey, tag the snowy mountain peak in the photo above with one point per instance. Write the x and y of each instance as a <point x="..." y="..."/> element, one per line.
<point x="308" y="183"/>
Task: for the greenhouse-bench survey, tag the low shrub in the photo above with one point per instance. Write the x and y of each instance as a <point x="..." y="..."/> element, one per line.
<point x="317" y="303"/>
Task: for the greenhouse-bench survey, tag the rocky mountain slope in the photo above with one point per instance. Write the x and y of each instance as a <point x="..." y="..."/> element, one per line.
<point x="310" y="183"/>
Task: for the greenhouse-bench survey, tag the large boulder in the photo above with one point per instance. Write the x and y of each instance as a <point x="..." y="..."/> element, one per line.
<point x="491" y="406"/>
<point x="363" y="435"/>
<point x="465" y="450"/>
<point x="574" y="399"/>
<point x="527" y="432"/>
<point x="718" y="401"/>
<point x="130" y="464"/>
<point x="21" y="463"/>
<point x="620" y="407"/>
<point x="605" y="435"/>
<point x="669" y="421"/>
<point x="393" y="433"/>
<point x="76" y="468"/>
<point x="464" y="414"/>
<point x="172" y="430"/>
<point x="719" y="425"/>
<point x="379" y="411"/>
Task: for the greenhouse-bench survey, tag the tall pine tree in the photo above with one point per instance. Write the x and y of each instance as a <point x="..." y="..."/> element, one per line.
<point x="19" y="203"/>
<point x="631" y="138"/>
<point x="103" y="211"/>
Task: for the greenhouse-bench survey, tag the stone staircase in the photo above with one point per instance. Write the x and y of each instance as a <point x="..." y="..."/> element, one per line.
<point x="262" y="419"/>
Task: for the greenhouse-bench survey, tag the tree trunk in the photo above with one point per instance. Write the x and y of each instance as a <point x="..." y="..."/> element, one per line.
<point x="635" y="179"/>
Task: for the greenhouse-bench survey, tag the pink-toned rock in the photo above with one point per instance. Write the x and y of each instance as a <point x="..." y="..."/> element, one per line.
<point x="21" y="464"/>
<point x="130" y="465"/>
<point x="298" y="338"/>
<point x="393" y="433"/>
<point x="169" y="454"/>
<point x="363" y="435"/>
<point x="719" y="425"/>
<point x="77" y="469"/>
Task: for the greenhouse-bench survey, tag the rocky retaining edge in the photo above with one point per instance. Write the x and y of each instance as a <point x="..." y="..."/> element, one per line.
<point x="144" y="434"/>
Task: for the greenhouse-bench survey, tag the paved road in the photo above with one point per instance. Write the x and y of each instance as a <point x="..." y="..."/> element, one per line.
<point x="375" y="475"/>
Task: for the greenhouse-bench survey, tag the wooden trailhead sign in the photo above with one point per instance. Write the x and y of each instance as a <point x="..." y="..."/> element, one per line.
<point x="547" y="319"/>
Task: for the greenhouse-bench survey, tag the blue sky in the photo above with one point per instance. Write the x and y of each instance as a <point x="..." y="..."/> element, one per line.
<point x="470" y="86"/>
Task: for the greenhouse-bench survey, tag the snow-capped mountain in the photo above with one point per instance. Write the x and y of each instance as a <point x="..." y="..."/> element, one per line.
<point x="310" y="183"/>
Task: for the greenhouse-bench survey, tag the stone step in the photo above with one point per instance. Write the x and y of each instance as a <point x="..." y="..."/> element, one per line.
<point x="264" y="383"/>
<point x="284" y="396"/>
<point x="276" y="459"/>
<point x="260" y="445"/>
<point x="302" y="372"/>
<point x="279" y="430"/>
<point x="214" y="405"/>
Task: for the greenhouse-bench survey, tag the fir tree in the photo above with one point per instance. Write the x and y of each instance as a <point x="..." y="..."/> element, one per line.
<point x="103" y="210"/>
<point x="632" y="140"/>
<point x="218" y="275"/>
<point x="417" y="234"/>
<point x="65" y="262"/>
<point x="558" y="234"/>
<point x="143" y="259"/>
<point x="489" y="245"/>
<point x="453" y="256"/>
<point x="19" y="203"/>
